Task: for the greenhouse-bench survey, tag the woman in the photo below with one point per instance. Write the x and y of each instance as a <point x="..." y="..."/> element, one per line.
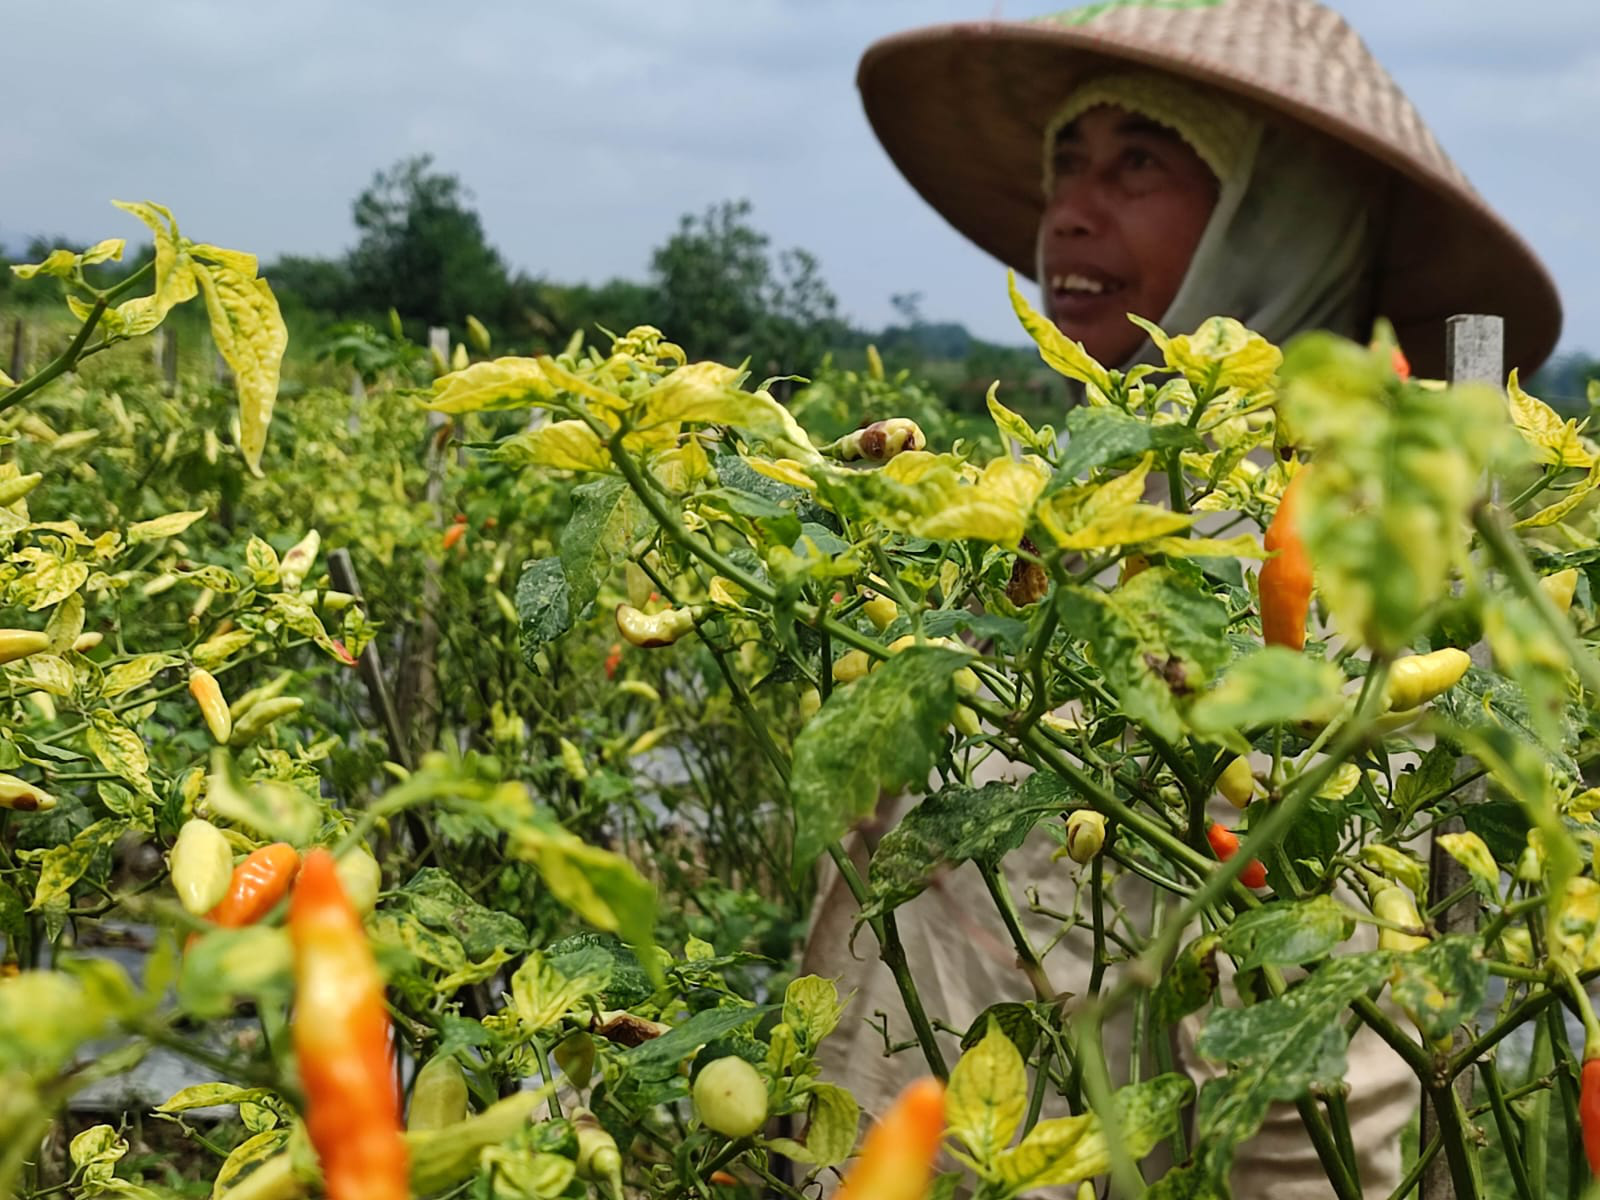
<point x="1197" y="157"/>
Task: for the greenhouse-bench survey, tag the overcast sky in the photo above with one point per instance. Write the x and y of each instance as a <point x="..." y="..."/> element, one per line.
<point x="584" y="130"/>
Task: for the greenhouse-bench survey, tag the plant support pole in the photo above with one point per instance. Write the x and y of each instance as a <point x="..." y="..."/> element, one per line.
<point x="1474" y="353"/>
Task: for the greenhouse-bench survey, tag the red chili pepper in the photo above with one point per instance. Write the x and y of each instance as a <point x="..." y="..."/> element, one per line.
<point x="1402" y="367"/>
<point x="342" y="1042"/>
<point x="453" y="535"/>
<point x="613" y="660"/>
<point x="1285" y="580"/>
<point x="1225" y="844"/>
<point x="343" y="653"/>
<point x="258" y="883"/>
<point x="1589" y="1111"/>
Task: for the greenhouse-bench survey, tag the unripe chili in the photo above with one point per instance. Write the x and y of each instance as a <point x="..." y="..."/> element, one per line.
<point x="598" y="1157"/>
<point x="880" y="610"/>
<point x="201" y="866"/>
<point x="341" y="1041"/>
<point x="730" y="1097"/>
<point x="878" y="442"/>
<point x="1393" y="903"/>
<point x="296" y="562"/>
<point x="1285" y="579"/>
<point x="1560" y="587"/>
<point x="1418" y="678"/>
<point x="896" y="1160"/>
<point x="19" y="643"/>
<point x="1086" y="834"/>
<point x="439" y="1095"/>
<point x="658" y="629"/>
<point x="258" y="717"/>
<point x="1237" y="783"/>
<point x="207" y="693"/>
<point x="21" y="796"/>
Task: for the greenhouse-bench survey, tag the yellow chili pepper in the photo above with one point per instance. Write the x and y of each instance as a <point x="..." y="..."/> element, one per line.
<point x="208" y="695"/>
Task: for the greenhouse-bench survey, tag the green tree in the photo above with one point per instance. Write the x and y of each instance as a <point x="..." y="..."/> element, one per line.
<point x="722" y="293"/>
<point x="423" y="250"/>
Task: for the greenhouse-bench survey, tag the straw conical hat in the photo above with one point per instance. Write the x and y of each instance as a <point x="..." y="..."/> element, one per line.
<point x="962" y="109"/>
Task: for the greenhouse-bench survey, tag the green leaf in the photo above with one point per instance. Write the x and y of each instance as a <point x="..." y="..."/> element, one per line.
<point x="1015" y="1020"/>
<point x="831" y="1128"/>
<point x="1277" y="1050"/>
<point x="276" y="810"/>
<point x="953" y="825"/>
<point x="1061" y="1151"/>
<point x="987" y="1095"/>
<point x="544" y="605"/>
<point x="1269" y="686"/>
<point x="883" y="732"/>
<point x="1287" y="934"/>
<point x="134" y="673"/>
<point x="1188" y="983"/>
<point x="1158" y="638"/>
<point x="625" y="985"/>
<point x="227" y="965"/>
<point x="61" y="867"/>
<point x="542" y="995"/>
<point x="434" y="897"/>
<point x="606" y="517"/>
<point x="603" y="888"/>
<point x="1099" y="437"/>
<point x="811" y="1006"/>
<point x="163" y="527"/>
<point x="1441" y="985"/>
<point x="659" y="1058"/>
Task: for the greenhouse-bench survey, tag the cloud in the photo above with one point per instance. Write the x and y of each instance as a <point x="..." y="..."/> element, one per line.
<point x="585" y="131"/>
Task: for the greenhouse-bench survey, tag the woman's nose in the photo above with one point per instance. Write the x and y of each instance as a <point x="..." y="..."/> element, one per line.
<point x="1076" y="208"/>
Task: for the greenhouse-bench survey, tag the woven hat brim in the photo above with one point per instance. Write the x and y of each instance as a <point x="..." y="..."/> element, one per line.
<point x="961" y="110"/>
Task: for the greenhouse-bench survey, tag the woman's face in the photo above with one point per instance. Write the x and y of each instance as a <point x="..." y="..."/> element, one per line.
<point x="1129" y="203"/>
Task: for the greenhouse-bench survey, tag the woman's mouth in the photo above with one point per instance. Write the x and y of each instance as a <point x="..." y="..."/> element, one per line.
<point x="1080" y="296"/>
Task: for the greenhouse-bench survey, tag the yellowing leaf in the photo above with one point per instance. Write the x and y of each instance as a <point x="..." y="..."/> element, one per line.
<point x="250" y="335"/>
<point x="784" y="470"/>
<point x="119" y="749"/>
<point x="1223" y="354"/>
<point x="106" y="251"/>
<point x="487" y="386"/>
<point x="59" y="263"/>
<point x="564" y="446"/>
<point x="136" y="672"/>
<point x="1136" y="523"/>
<point x="988" y="1095"/>
<point x="1553" y="440"/>
<point x="1056" y="348"/>
<point x="160" y="527"/>
<point x="175" y="277"/>
<point x="1010" y="424"/>
<point x="1561" y="509"/>
<point x="1471" y="852"/>
<point x="1245" y="545"/>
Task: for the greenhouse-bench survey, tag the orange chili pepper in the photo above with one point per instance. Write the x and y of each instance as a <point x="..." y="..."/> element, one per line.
<point x="613" y="660"/>
<point x="453" y="535"/>
<point x="1402" y="366"/>
<point x="1225" y="844"/>
<point x="896" y="1161"/>
<point x="1285" y="580"/>
<point x="341" y="1041"/>
<point x="258" y="883"/>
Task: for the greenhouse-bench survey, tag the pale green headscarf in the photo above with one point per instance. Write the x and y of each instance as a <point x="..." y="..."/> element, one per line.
<point x="1291" y="243"/>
